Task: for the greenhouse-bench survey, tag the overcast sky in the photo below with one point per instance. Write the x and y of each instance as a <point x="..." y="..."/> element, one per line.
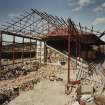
<point x="87" y="12"/>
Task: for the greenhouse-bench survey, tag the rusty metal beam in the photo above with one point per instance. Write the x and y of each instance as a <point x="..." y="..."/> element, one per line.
<point x="45" y="52"/>
<point x="13" y="50"/>
<point x="0" y="49"/>
<point x="69" y="30"/>
<point x="23" y="50"/>
<point x="30" y="49"/>
<point x="40" y="52"/>
<point x="19" y="35"/>
<point x="36" y="50"/>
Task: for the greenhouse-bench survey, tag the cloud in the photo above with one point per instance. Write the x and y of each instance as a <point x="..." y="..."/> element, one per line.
<point x="13" y="15"/>
<point x="79" y="4"/>
<point x="84" y="2"/>
<point x="100" y="20"/>
<point x="76" y="9"/>
<point x="100" y="8"/>
<point x="72" y="3"/>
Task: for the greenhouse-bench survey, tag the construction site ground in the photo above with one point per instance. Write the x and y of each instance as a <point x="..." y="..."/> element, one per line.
<point x="49" y="87"/>
<point x="44" y="93"/>
<point x="45" y="87"/>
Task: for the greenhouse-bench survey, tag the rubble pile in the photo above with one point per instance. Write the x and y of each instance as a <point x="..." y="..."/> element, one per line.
<point x="8" y="95"/>
<point x="87" y="93"/>
<point x="9" y="89"/>
<point x="11" y="71"/>
<point x="50" y="73"/>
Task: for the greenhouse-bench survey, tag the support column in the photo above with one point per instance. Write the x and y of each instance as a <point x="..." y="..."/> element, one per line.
<point x="23" y="51"/>
<point x="68" y="58"/>
<point x="79" y="40"/>
<point x="40" y="52"/>
<point x="45" y="52"/>
<point x="0" y="50"/>
<point x="69" y="30"/>
<point x="68" y="89"/>
<point x="76" y="51"/>
<point x="30" y="49"/>
<point x="13" y="50"/>
<point x="79" y="48"/>
<point x="36" y="52"/>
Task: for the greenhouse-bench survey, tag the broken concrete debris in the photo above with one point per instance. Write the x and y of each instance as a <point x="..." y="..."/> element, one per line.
<point x="21" y="83"/>
<point x="17" y="70"/>
<point x="86" y="93"/>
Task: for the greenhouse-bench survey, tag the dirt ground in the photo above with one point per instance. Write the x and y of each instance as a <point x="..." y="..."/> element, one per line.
<point x="48" y="90"/>
<point x="45" y="92"/>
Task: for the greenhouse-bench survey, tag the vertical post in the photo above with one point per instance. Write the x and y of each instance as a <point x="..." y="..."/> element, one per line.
<point x="36" y="53"/>
<point x="86" y="53"/>
<point x="79" y="51"/>
<point x="45" y="52"/>
<point x="69" y="50"/>
<point x="30" y="49"/>
<point x="79" y="48"/>
<point x="23" y="51"/>
<point x="79" y="42"/>
<point x="30" y="29"/>
<point x="13" y="50"/>
<point x="35" y="50"/>
<point x="0" y="49"/>
<point x="40" y="52"/>
<point x="20" y="25"/>
<point x="76" y="51"/>
<point x="92" y="29"/>
<point x="68" y="58"/>
<point x="85" y="29"/>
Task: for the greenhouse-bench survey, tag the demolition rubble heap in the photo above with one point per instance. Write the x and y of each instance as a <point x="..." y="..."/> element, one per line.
<point x="47" y="60"/>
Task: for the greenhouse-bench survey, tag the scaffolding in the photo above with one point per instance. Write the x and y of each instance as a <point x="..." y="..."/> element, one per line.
<point x="36" y="27"/>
